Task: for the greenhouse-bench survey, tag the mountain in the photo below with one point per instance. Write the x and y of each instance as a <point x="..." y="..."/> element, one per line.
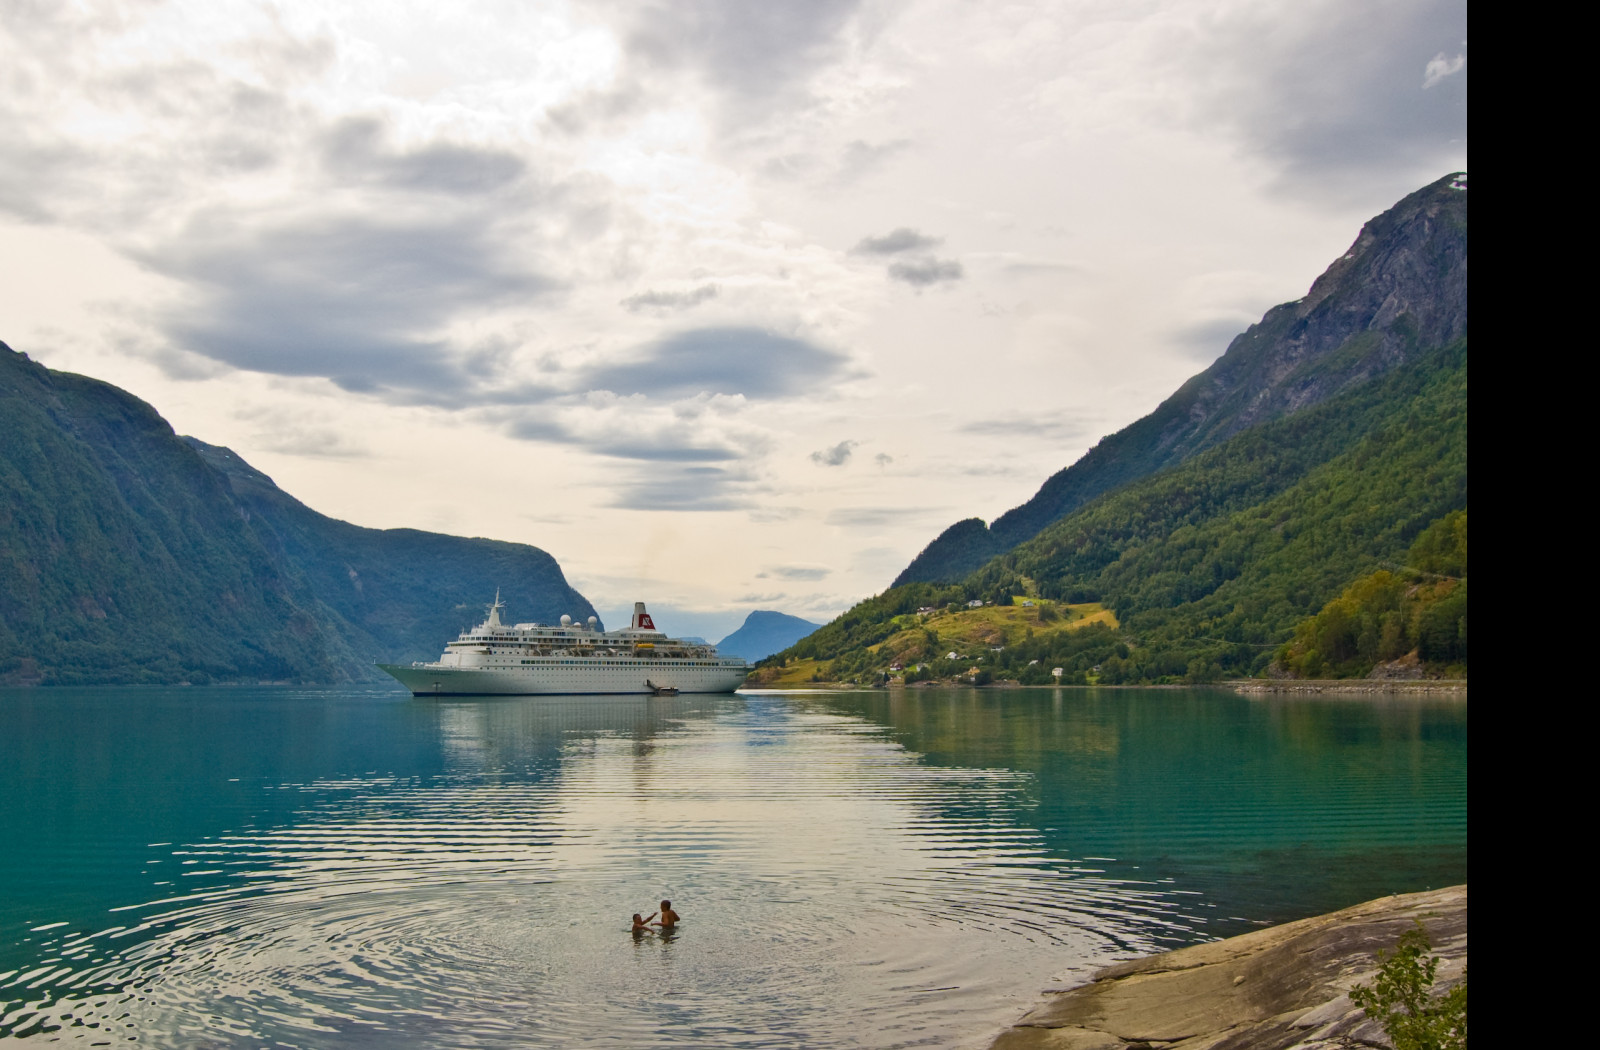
<point x="1302" y="541"/>
<point x="398" y="594"/>
<point x="1208" y="567"/>
<point x="131" y="555"/>
<point x="1217" y="560"/>
<point x="764" y="633"/>
<point x="1399" y="291"/>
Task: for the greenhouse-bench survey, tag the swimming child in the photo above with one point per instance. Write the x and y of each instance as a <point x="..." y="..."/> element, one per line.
<point x="669" y="918"/>
<point x="642" y="925"/>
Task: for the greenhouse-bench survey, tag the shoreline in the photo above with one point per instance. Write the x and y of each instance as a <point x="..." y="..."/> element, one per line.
<point x="1347" y="685"/>
<point x="1283" y="986"/>
<point x="1238" y="685"/>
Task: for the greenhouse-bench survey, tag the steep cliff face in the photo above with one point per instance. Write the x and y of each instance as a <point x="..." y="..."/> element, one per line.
<point x="1400" y="291"/>
<point x="128" y="555"/>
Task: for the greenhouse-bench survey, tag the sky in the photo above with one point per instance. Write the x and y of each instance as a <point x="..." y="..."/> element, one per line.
<point x="726" y="305"/>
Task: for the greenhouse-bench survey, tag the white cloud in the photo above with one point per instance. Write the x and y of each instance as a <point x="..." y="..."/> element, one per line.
<point x="1439" y="67"/>
<point x="600" y="276"/>
<point x="921" y="273"/>
<point x="911" y="257"/>
<point x="903" y="239"/>
<point x="1325" y="90"/>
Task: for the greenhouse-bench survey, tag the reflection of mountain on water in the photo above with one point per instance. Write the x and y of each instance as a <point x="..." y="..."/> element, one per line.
<point x="1281" y="806"/>
<point x="467" y="870"/>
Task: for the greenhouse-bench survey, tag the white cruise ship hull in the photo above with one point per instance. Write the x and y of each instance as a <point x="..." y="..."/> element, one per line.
<point x="566" y="678"/>
<point x="532" y="659"/>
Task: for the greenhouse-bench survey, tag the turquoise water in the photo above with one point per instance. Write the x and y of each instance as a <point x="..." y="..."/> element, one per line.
<point x="355" y="868"/>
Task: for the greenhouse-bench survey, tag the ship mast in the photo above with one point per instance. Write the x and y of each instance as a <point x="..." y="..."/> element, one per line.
<point x="494" y="610"/>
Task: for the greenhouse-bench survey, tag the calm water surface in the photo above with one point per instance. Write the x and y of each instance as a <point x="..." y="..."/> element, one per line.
<point x="355" y="868"/>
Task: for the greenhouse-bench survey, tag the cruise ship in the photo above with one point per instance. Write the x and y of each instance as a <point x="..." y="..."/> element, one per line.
<point x="530" y="658"/>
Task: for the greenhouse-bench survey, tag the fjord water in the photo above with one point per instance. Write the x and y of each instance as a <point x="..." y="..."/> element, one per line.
<point x="356" y="868"/>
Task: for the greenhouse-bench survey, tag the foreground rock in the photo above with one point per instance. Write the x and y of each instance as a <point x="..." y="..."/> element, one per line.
<point x="1282" y="988"/>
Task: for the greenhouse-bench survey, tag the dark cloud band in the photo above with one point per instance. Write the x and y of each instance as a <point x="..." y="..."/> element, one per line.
<point x="895" y="241"/>
<point x="748" y="361"/>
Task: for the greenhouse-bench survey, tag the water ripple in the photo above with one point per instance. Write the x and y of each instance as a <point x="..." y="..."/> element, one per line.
<point x="816" y="860"/>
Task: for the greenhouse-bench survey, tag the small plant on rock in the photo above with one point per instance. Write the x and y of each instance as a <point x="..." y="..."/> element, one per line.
<point x="1401" y="1000"/>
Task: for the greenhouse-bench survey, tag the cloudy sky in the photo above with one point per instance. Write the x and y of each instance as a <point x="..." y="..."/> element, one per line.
<point x="727" y="305"/>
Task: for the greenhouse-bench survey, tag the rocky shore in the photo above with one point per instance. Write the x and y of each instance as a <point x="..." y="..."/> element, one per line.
<point x="1281" y="988"/>
<point x="1349" y="685"/>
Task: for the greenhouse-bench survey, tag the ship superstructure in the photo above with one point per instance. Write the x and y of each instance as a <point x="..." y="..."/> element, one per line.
<point x="530" y="658"/>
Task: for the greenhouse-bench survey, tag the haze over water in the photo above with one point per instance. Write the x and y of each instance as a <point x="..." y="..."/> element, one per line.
<point x="355" y="868"/>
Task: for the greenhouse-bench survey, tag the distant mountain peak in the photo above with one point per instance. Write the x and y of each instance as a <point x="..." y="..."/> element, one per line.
<point x="1379" y="237"/>
<point x="764" y="632"/>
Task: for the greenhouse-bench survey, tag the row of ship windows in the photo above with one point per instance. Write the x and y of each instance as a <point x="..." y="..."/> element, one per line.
<point x="601" y="656"/>
<point x="613" y="663"/>
<point x="613" y="660"/>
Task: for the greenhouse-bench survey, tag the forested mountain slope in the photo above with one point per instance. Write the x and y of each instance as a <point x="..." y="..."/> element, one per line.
<point x="1400" y="291"/>
<point x="399" y="594"/>
<point x="128" y="554"/>
<point x="1210" y="565"/>
<point x="1397" y="622"/>
<point x="1217" y="559"/>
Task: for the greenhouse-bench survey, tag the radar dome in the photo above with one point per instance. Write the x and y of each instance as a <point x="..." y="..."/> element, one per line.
<point x="566" y="621"/>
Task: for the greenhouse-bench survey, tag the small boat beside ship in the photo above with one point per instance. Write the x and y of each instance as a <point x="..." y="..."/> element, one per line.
<point x="496" y="659"/>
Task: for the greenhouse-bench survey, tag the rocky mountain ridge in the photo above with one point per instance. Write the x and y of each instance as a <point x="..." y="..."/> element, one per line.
<point x="1399" y="292"/>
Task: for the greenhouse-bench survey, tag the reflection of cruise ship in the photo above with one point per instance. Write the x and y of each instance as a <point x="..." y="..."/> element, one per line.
<point x="493" y="658"/>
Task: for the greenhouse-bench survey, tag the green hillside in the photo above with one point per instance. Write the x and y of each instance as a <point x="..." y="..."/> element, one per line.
<point x="1235" y="518"/>
<point x="1399" y="292"/>
<point x="1210" y="565"/>
<point x="128" y="554"/>
<point x="1393" y="621"/>
<point x="1020" y="639"/>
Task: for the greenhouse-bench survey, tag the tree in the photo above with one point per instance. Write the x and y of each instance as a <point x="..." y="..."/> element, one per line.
<point x="1401" y="998"/>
